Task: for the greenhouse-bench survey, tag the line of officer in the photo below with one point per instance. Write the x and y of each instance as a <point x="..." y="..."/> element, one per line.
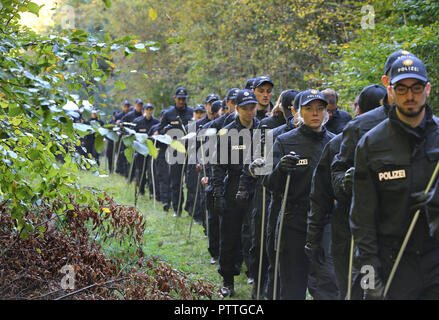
<point x="307" y="141"/>
<point x="225" y="182"/>
<point x="393" y="165"/>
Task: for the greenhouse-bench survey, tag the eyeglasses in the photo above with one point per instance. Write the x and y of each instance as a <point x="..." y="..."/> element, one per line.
<point x="401" y="89"/>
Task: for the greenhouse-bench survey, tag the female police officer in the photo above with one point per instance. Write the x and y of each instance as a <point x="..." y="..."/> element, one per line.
<point x="307" y="141"/>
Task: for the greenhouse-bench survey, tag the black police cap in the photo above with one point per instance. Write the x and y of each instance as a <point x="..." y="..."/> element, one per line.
<point x="371" y="97"/>
<point x="262" y="80"/>
<point x="148" y="106"/>
<point x="211" y="97"/>
<point x="288" y="98"/>
<point x="139" y="101"/>
<point x="297" y="100"/>
<point x="126" y="103"/>
<point x="216" y="106"/>
<point x="181" y="92"/>
<point x="199" y="108"/>
<point x="393" y="57"/>
<point x="249" y="84"/>
<point x="231" y="95"/>
<point x="311" y="95"/>
<point x="410" y="67"/>
<point x="245" y="97"/>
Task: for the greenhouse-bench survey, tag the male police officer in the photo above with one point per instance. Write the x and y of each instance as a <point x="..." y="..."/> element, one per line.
<point x="226" y="175"/>
<point x="176" y="117"/>
<point x="342" y="166"/>
<point x="394" y="163"/>
<point x="263" y="89"/>
<point x="337" y="118"/>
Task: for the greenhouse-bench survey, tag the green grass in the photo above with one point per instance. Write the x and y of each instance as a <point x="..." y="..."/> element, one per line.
<point x="167" y="237"/>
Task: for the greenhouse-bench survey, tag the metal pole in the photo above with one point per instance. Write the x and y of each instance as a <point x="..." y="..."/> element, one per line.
<point x="351" y="258"/>
<point x="407" y="236"/>
<point x="282" y="213"/>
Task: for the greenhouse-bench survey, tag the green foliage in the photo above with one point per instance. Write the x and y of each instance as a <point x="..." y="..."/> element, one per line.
<point x="39" y="75"/>
<point x="405" y="25"/>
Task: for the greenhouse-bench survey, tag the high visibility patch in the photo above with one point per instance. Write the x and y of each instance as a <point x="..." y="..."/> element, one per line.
<point x="142" y="130"/>
<point x="302" y="162"/>
<point x="239" y="147"/>
<point x="392" y="175"/>
<point x="314" y="91"/>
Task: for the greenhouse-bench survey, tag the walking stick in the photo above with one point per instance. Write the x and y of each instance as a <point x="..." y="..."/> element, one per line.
<point x="195" y="205"/>
<point x="351" y="258"/>
<point x="140" y="180"/>
<point x="261" y="251"/>
<point x="409" y="233"/>
<point x="282" y="213"/>
<point x="152" y="174"/>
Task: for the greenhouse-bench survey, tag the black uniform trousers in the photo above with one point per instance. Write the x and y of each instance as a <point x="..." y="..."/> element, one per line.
<point x="163" y="174"/>
<point x="231" y="220"/>
<point x="293" y="262"/>
<point x="273" y="214"/>
<point x="214" y="225"/>
<point x="256" y="227"/>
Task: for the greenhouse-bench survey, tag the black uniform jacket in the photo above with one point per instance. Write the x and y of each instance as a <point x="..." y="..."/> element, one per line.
<point x="392" y="161"/>
<point x="309" y="145"/>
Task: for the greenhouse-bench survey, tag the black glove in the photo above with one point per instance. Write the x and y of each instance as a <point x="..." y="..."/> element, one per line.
<point x="376" y="293"/>
<point x="348" y="180"/>
<point x="315" y="253"/>
<point x="257" y="163"/>
<point x="219" y="204"/>
<point x="287" y="163"/>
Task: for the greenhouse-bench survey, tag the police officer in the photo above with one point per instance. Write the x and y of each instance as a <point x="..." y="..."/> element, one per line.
<point x="325" y="219"/>
<point x="307" y="142"/>
<point x="225" y="186"/>
<point x="142" y="166"/>
<point x="394" y="162"/>
<point x="228" y="117"/>
<point x="211" y="114"/>
<point x="263" y="89"/>
<point x="163" y="168"/>
<point x="251" y="189"/>
<point x="199" y="112"/>
<point x="343" y="164"/>
<point x="337" y="118"/>
<point x="176" y="117"/>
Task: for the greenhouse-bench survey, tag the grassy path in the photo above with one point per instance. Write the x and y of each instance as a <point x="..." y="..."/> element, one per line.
<point x="166" y="238"/>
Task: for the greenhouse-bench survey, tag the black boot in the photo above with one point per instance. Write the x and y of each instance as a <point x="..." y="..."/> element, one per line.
<point x="228" y="289"/>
